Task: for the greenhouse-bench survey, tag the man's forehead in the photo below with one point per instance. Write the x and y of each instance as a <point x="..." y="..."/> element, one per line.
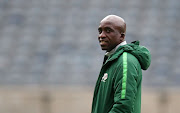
<point x="106" y="24"/>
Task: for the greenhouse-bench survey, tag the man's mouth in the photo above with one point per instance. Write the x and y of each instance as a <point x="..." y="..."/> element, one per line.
<point x="102" y="42"/>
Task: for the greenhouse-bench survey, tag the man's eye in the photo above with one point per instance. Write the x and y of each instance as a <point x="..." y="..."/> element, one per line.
<point x="108" y="30"/>
<point x="100" y="31"/>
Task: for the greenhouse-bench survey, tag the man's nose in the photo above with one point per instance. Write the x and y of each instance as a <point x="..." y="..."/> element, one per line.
<point x="102" y="35"/>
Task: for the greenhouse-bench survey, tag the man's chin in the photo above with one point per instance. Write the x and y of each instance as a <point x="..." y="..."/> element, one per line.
<point x="104" y="49"/>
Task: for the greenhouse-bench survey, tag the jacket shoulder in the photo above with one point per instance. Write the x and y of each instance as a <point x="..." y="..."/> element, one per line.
<point x="129" y="59"/>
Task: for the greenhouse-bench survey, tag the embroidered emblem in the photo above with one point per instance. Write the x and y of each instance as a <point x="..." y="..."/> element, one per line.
<point x="104" y="77"/>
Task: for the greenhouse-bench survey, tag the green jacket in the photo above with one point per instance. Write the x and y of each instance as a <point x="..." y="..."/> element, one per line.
<point x="118" y="88"/>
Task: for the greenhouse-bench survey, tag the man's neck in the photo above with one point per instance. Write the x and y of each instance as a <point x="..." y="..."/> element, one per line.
<point x="113" y="50"/>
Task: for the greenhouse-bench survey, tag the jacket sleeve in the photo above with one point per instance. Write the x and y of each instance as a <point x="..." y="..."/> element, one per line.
<point x="125" y="85"/>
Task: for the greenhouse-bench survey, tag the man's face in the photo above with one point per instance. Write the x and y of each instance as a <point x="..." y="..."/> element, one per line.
<point x="109" y="36"/>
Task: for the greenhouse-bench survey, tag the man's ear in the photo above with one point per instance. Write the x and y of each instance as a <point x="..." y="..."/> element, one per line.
<point x="122" y="37"/>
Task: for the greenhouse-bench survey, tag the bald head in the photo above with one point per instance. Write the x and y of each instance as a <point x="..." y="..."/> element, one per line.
<point x="112" y="31"/>
<point x="116" y="21"/>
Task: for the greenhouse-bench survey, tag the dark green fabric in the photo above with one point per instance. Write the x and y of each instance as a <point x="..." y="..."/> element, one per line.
<point x="107" y="93"/>
<point x="140" y="52"/>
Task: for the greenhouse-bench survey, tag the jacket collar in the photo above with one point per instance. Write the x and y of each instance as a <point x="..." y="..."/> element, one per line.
<point x="114" y="50"/>
<point x="115" y="55"/>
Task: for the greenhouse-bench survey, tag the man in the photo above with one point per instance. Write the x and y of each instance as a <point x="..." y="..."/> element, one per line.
<point x="118" y="88"/>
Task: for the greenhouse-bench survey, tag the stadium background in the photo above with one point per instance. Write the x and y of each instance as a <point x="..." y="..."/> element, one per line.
<point x="50" y="57"/>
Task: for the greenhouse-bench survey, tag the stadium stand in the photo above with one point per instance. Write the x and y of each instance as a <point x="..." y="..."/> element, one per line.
<point x="55" y="41"/>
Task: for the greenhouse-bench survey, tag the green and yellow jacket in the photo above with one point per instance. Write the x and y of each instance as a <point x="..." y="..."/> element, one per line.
<point x="118" y="88"/>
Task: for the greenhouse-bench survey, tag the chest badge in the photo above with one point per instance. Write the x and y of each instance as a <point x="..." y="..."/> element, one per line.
<point x="104" y="78"/>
